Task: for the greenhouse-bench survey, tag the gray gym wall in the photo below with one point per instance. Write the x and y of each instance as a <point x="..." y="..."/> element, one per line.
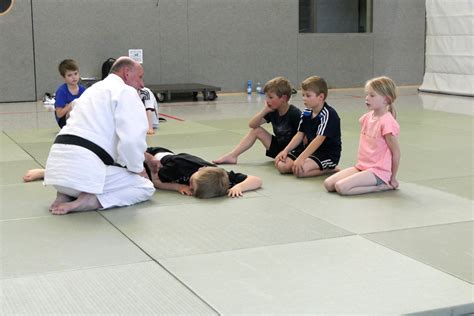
<point x="219" y="42"/>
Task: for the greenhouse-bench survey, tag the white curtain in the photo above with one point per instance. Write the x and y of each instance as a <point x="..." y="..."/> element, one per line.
<point x="449" y="47"/>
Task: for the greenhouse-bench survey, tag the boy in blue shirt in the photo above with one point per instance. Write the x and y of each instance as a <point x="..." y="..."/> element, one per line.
<point x="68" y="91"/>
<point x="319" y="130"/>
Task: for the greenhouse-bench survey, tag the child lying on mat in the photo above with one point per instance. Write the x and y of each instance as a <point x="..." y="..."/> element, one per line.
<point x="191" y="175"/>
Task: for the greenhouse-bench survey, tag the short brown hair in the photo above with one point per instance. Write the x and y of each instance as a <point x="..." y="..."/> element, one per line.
<point x="316" y="84"/>
<point x="212" y="182"/>
<point x="67" y="64"/>
<point x="280" y="86"/>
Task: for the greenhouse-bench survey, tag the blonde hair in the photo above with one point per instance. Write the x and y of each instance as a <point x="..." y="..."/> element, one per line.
<point x="211" y="182"/>
<point x="279" y="85"/>
<point x="316" y="84"/>
<point x="385" y="87"/>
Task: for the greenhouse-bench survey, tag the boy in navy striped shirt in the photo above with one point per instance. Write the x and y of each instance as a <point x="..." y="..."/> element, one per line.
<point x="320" y="132"/>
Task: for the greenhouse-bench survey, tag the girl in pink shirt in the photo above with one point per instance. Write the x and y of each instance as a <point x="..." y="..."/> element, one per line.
<point x="379" y="153"/>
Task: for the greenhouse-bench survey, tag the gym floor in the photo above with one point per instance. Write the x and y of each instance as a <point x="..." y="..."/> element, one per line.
<point x="289" y="247"/>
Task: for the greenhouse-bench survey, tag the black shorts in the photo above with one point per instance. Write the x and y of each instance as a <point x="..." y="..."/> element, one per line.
<point x="276" y="146"/>
<point x="323" y="159"/>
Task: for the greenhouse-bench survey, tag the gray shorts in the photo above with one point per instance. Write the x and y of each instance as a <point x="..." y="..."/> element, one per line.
<point x="379" y="181"/>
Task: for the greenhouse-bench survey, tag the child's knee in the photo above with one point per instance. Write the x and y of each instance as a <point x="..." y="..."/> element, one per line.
<point x="340" y="188"/>
<point x="329" y="185"/>
<point x="282" y="167"/>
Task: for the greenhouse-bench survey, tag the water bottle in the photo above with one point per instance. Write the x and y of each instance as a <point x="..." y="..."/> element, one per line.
<point x="258" y="88"/>
<point x="249" y="87"/>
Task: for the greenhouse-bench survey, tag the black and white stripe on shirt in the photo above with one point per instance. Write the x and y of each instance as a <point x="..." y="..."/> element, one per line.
<point x="144" y="95"/>
<point x="324" y="121"/>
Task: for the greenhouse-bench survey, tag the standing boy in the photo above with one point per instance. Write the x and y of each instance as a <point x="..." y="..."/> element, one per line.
<point x="321" y="129"/>
<point x="283" y="116"/>
<point x="68" y="91"/>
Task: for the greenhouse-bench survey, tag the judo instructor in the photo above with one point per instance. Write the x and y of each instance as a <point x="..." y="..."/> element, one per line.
<point x="96" y="161"/>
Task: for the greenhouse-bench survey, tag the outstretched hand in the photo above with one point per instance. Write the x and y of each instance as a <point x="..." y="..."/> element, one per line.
<point x="235" y="191"/>
<point x="186" y="190"/>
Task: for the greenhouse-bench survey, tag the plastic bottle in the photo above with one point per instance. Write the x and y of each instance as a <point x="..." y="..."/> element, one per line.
<point x="258" y="88"/>
<point x="249" y="87"/>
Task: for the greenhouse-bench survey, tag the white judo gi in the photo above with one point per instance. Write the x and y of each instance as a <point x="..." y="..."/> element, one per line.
<point x="111" y="115"/>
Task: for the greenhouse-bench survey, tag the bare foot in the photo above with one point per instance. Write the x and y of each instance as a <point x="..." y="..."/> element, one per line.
<point x="85" y="202"/>
<point x="33" y="175"/>
<point x="226" y="159"/>
<point x="60" y="198"/>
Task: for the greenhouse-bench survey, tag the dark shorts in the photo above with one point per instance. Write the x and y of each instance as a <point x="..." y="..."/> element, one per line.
<point x="324" y="160"/>
<point x="276" y="146"/>
<point x="61" y="121"/>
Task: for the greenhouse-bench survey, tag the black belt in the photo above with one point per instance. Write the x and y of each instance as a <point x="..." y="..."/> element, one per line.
<point x="82" y="142"/>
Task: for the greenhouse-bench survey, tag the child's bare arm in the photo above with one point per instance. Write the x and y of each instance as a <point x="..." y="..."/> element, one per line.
<point x="258" y="119"/>
<point x="297" y="167"/>
<point x="149" y="116"/>
<point x="181" y="188"/>
<point x="295" y="141"/>
<point x="249" y="184"/>
<point x="60" y="112"/>
<point x="392" y="143"/>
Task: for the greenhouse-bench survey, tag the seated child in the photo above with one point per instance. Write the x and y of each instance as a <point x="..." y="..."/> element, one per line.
<point x="191" y="175"/>
<point x="320" y="128"/>
<point x="283" y="116"/>
<point x="378" y="157"/>
<point x="68" y="91"/>
<point x="151" y="107"/>
<point x="66" y="94"/>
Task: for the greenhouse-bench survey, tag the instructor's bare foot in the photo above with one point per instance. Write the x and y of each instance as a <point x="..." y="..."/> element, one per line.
<point x="33" y="175"/>
<point x="226" y="159"/>
<point x="85" y="202"/>
<point x="60" y="198"/>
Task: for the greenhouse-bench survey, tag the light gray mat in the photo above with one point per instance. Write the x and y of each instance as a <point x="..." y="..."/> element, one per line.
<point x="410" y="206"/>
<point x="133" y="289"/>
<point x="58" y="243"/>
<point x="26" y="200"/>
<point x="218" y="225"/>
<point x="449" y="248"/>
<point x="348" y="275"/>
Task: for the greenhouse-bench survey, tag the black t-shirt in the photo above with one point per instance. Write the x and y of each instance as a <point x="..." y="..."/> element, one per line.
<point x="285" y="126"/>
<point x="178" y="168"/>
<point x="326" y="123"/>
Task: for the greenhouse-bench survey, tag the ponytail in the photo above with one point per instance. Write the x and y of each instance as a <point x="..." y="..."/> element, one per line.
<point x="391" y="109"/>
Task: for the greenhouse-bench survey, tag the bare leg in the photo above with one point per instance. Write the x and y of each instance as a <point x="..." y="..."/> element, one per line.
<point x="318" y="172"/>
<point x="360" y="183"/>
<point x="256" y="133"/>
<point x="330" y="182"/>
<point x="311" y="169"/>
<point x="60" y="198"/>
<point x="33" y="175"/>
<point x="85" y="202"/>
